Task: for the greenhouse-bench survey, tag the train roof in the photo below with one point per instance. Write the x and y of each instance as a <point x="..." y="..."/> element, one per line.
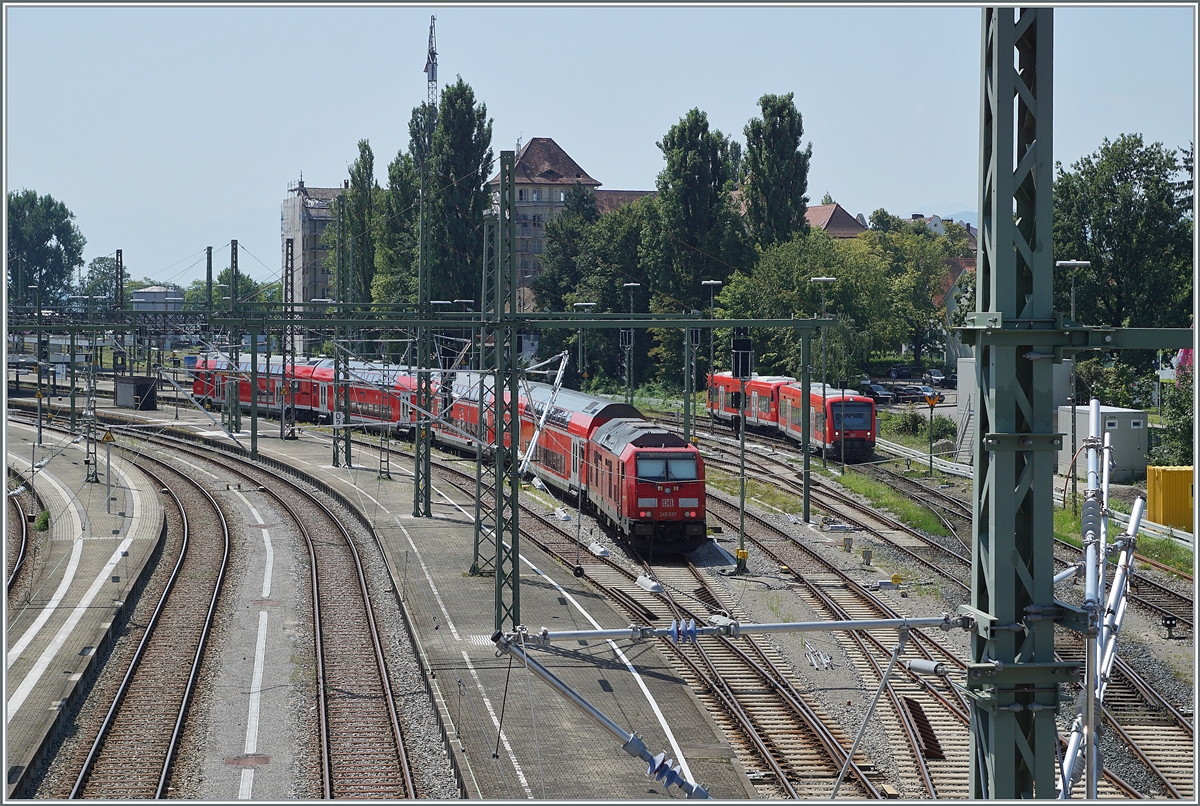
<point x="616" y="434"/>
<point x="756" y="377"/>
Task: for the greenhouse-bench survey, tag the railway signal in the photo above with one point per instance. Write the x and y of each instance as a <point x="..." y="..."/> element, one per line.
<point x="931" y="401"/>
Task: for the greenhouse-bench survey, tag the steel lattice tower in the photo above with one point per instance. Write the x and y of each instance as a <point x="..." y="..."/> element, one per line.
<point x="287" y="417"/>
<point x="1013" y="676"/>
<point x="422" y="442"/>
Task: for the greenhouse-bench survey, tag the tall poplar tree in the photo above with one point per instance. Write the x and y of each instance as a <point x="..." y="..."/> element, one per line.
<point x="776" y="172"/>
<point x="460" y="161"/>
<point x="360" y="201"/>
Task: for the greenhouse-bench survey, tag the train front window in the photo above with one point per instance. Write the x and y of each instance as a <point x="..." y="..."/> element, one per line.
<point x="857" y="416"/>
<point x="651" y="469"/>
<point x="658" y="468"/>
<point x="682" y="468"/>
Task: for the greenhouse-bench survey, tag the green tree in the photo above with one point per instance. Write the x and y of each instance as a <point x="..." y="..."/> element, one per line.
<point x="100" y="281"/>
<point x="396" y="234"/>
<point x="460" y="159"/>
<point x="691" y="231"/>
<point x="958" y="243"/>
<point x="358" y="208"/>
<point x="776" y="171"/>
<point x="1121" y="209"/>
<point x="883" y="221"/>
<point x="827" y="198"/>
<point x="1175" y="446"/>
<point x="918" y="276"/>
<point x="44" y="247"/>
<point x="248" y="291"/>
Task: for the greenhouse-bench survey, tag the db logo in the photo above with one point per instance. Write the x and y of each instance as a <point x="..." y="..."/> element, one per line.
<point x="668" y="502"/>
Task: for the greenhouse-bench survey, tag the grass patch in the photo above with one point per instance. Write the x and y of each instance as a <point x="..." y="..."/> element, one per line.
<point x="767" y="493"/>
<point x="43" y="521"/>
<point x="884" y="497"/>
<point x="1168" y="552"/>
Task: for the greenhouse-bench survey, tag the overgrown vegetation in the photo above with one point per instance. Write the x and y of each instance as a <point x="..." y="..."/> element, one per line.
<point x="43" y="521"/>
<point x="884" y="497"/>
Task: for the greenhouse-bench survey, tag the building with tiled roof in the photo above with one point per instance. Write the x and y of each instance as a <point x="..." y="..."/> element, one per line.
<point x="543" y="173"/>
<point x="833" y="219"/>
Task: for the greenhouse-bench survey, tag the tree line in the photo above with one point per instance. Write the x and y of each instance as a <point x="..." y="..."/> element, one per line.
<point x="727" y="212"/>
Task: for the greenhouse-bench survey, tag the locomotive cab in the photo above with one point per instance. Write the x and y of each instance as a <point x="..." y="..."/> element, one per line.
<point x="649" y="485"/>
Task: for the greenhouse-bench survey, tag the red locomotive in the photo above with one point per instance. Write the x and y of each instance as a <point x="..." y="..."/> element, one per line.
<point x="775" y="404"/>
<point x="645" y="482"/>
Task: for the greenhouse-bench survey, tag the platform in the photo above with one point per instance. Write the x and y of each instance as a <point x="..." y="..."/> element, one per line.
<point x="91" y="562"/>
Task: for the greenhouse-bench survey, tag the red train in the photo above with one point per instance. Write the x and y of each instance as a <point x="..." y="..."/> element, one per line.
<point x="774" y="404"/>
<point x="643" y="481"/>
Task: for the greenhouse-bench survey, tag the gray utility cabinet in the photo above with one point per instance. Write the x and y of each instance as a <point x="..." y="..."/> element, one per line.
<point x="1130" y="441"/>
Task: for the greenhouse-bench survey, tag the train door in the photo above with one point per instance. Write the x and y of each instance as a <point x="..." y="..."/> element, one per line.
<point x="324" y="397"/>
<point x="721" y="404"/>
<point x="574" y="460"/>
<point x="753" y="413"/>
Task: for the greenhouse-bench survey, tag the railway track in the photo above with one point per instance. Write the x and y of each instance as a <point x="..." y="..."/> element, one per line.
<point x="133" y="750"/>
<point x="782" y="739"/>
<point x="1155" y="730"/>
<point x="17" y="542"/>
<point x="362" y="744"/>
<point x="931" y="716"/>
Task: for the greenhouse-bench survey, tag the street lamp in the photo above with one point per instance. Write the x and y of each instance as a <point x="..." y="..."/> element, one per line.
<point x="629" y="347"/>
<point x="582" y="337"/>
<point x="1073" y="265"/>
<point x="713" y="285"/>
<point x="823" y="281"/>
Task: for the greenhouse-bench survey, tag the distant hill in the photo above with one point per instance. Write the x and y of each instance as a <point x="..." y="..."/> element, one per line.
<point x="970" y="216"/>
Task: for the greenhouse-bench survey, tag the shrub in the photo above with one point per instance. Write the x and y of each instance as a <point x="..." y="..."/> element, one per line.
<point x="43" y="521"/>
<point x="944" y="428"/>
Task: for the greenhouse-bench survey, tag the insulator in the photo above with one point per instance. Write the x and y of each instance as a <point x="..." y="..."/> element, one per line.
<point x="1089" y="520"/>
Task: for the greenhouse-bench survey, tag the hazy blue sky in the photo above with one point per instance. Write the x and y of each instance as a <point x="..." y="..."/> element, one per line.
<point x="169" y="129"/>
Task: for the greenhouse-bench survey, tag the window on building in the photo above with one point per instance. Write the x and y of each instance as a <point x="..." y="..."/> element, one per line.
<point x="537" y="267"/>
<point x="537" y="247"/>
<point x="1135" y="424"/>
<point x="562" y="195"/>
<point x="537" y="194"/>
<point x="1110" y="423"/>
<point x="521" y="194"/>
<point x="525" y="264"/>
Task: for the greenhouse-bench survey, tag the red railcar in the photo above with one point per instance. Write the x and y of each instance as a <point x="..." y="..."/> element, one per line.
<point x="644" y="481"/>
<point x="847" y="422"/>
<point x="774" y="403"/>
<point x="762" y="399"/>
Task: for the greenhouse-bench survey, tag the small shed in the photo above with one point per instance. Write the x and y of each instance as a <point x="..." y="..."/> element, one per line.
<point x="137" y="392"/>
<point x="1130" y="441"/>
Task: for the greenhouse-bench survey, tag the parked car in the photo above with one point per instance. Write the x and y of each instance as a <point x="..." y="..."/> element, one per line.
<point x="877" y="393"/>
<point x="929" y="391"/>
<point x="951" y="381"/>
<point x="900" y="371"/>
<point x="908" y="394"/>
<point x="934" y="377"/>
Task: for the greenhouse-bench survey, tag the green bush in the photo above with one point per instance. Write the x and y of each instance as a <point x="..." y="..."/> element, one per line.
<point x="43" y="521"/>
<point x="944" y="428"/>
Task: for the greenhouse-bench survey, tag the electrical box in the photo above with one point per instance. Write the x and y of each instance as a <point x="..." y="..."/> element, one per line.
<point x="1171" y="496"/>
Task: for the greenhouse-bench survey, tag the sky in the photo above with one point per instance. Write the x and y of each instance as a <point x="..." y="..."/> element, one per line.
<point x="169" y="129"/>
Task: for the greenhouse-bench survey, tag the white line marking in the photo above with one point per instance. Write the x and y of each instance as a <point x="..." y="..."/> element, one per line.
<point x="68" y="574"/>
<point x="257" y="518"/>
<point x="662" y="720"/>
<point x="18" y="699"/>
<point x="252" y="719"/>
<point x="266" y="589"/>
<point x="503" y="738"/>
<point x="429" y="579"/>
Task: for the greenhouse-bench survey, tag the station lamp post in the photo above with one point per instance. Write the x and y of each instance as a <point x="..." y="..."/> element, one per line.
<point x="584" y="307"/>
<point x="1073" y="265"/>
<point x="629" y="347"/>
<point x="823" y="281"/>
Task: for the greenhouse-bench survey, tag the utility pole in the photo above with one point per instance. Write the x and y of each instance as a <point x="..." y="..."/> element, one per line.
<point x="741" y="360"/>
<point x="712" y="286"/>
<point x="824" y="281"/>
<point x="422" y="438"/>
<point x="233" y="393"/>
<point x="119" y="304"/>
<point x="287" y="403"/>
<point x="627" y="343"/>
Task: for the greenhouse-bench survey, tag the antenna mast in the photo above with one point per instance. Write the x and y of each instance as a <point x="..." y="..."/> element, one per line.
<point x="431" y="72"/>
<point x="422" y="441"/>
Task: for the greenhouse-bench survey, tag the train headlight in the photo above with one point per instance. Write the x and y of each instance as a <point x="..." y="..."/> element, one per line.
<point x="641" y="514"/>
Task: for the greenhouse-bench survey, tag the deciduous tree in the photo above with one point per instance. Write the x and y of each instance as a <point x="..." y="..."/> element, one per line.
<point x="1121" y="209"/>
<point x="44" y="247"/>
